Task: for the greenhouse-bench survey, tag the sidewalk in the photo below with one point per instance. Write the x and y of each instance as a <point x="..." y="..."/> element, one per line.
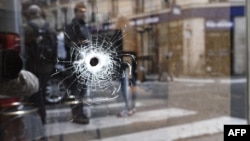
<point x="167" y="111"/>
<point x="214" y="137"/>
<point x="233" y="79"/>
<point x="200" y="130"/>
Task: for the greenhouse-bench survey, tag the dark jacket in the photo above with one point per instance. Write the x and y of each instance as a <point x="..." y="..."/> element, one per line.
<point x="34" y="62"/>
<point x="76" y="32"/>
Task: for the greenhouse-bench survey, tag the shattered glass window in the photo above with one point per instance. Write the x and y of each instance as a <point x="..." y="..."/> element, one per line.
<point x="73" y="70"/>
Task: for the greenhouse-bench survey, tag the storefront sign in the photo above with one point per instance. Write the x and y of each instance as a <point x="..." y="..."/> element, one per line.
<point x="146" y="20"/>
<point x="219" y="24"/>
<point x="176" y="10"/>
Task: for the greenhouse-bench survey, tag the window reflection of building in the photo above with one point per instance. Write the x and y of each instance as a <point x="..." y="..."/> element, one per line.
<point x="187" y="34"/>
<point x="64" y="11"/>
<point x="114" y="8"/>
<point x="240" y="47"/>
<point x="56" y="18"/>
<point x="175" y="45"/>
<point x="166" y="3"/>
<point x="138" y="6"/>
<point x="195" y="48"/>
<point x="218" y="0"/>
<point x="92" y="7"/>
<point x="218" y="53"/>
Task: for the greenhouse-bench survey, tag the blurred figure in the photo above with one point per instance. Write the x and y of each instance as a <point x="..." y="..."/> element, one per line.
<point x="13" y="80"/>
<point x="41" y="50"/>
<point x="173" y="60"/>
<point x="16" y="83"/>
<point x="128" y="89"/>
<point x="75" y="34"/>
<point x="126" y="95"/>
<point x="170" y="66"/>
<point x="128" y="81"/>
<point x="133" y="85"/>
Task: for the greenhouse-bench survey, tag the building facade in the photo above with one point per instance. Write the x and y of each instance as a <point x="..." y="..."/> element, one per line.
<point x="205" y="36"/>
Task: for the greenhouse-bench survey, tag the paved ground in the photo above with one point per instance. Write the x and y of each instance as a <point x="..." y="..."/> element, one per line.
<point x="214" y="137"/>
<point x="187" y="110"/>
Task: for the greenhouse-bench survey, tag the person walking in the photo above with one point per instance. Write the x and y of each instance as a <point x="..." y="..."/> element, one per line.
<point x="128" y="89"/>
<point x="128" y="81"/>
<point x="40" y="53"/>
<point x="75" y="34"/>
<point x="173" y="62"/>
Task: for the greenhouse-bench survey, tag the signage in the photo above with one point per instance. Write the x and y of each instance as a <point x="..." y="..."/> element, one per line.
<point x="219" y="24"/>
<point x="146" y="20"/>
<point x="236" y="132"/>
<point x="176" y="10"/>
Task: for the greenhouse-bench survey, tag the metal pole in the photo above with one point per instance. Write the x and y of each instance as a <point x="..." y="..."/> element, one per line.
<point x="248" y="58"/>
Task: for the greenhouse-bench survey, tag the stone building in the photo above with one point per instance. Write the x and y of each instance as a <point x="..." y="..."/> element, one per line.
<point x="206" y="34"/>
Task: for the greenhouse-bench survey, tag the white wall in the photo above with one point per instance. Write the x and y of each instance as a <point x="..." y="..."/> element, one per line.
<point x="152" y="5"/>
<point x="194" y="45"/>
<point x="239" y="54"/>
<point x="187" y="2"/>
<point x="125" y="8"/>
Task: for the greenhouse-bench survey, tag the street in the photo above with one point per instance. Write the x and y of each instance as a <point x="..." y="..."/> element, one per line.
<point x="183" y="110"/>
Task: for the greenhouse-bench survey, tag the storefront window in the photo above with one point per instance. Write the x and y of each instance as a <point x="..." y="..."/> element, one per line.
<point x="132" y="70"/>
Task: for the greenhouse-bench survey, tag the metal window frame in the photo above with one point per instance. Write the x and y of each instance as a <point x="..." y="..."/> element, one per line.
<point x="248" y="58"/>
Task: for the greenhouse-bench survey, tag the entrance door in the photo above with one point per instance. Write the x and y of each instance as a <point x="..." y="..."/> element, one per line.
<point x="218" y="53"/>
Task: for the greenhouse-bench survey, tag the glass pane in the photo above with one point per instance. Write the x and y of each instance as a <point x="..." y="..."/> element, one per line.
<point x="172" y="70"/>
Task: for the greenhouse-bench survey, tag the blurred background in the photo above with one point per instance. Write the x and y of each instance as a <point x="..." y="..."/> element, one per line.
<point x="191" y="68"/>
<point x="209" y="35"/>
